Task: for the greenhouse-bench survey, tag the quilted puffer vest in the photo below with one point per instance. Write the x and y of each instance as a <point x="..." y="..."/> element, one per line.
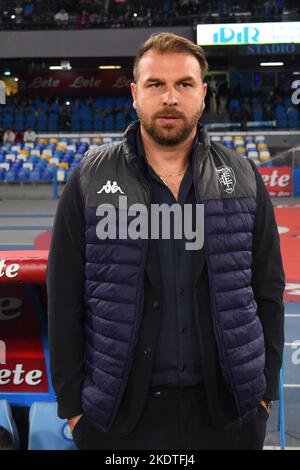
<point x="114" y="272"/>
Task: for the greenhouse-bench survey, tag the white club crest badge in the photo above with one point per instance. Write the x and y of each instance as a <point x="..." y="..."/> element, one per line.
<point x="226" y="177"/>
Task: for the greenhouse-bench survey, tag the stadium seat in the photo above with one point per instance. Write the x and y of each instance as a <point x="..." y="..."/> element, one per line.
<point x="293" y="118"/>
<point x="19" y="122"/>
<point x="53" y="122"/>
<point x="253" y="154"/>
<point x="30" y="121"/>
<point x="8" y="422"/>
<point x="108" y="124"/>
<point x="34" y="175"/>
<point x="10" y="176"/>
<point x="23" y="174"/>
<point x="46" y="430"/>
<point x="42" y="123"/>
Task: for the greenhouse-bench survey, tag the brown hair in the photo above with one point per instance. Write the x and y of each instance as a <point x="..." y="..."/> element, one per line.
<point x="167" y="43"/>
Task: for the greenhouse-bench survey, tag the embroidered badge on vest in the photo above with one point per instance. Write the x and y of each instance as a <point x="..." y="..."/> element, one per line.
<point x="227" y="178"/>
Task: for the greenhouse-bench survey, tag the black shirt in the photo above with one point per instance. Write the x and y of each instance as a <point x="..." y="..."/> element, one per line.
<point x="178" y="356"/>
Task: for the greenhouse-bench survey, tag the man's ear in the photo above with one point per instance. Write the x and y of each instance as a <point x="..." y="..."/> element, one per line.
<point x="133" y="93"/>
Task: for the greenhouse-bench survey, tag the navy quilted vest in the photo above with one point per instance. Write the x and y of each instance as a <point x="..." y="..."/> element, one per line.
<point x="114" y="287"/>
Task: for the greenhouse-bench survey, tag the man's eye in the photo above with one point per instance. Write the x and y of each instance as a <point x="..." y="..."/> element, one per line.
<point x="155" y="85"/>
<point x="185" y="84"/>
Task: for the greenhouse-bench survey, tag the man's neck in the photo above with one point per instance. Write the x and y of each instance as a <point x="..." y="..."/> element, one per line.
<point x="172" y="159"/>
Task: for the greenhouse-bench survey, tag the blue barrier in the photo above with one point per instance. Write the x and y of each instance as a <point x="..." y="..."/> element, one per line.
<point x="297" y="182"/>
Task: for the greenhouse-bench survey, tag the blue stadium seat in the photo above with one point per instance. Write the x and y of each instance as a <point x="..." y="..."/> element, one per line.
<point x="44" y="106"/>
<point x="110" y="102"/>
<point x="257" y="114"/>
<point x="19" y="122"/>
<point x="75" y="122"/>
<point x="55" y="107"/>
<point x="46" y="430"/>
<point x="47" y="175"/>
<point x="8" y="422"/>
<point x="234" y="105"/>
<point x="58" y="154"/>
<point x="23" y="174"/>
<point x="293" y="118"/>
<point x="10" y="176"/>
<point x="108" y="124"/>
<point x="280" y="111"/>
<point x="97" y="122"/>
<point x="34" y="175"/>
<point x="86" y="124"/>
<point x="30" y="121"/>
<point x="83" y="147"/>
<point x="134" y="115"/>
<point x="121" y="101"/>
<point x="42" y="123"/>
<point x="120" y="123"/>
<point x="281" y="122"/>
<point x="52" y="125"/>
<point x="7" y="120"/>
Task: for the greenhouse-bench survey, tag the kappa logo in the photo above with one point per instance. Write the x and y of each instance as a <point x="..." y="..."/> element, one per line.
<point x="110" y="188"/>
<point x="227" y="178"/>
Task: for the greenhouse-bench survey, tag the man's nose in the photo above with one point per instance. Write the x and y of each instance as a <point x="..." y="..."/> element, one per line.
<point x="170" y="97"/>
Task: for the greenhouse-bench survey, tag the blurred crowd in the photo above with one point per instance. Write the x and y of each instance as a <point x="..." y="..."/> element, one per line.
<point x="70" y="14"/>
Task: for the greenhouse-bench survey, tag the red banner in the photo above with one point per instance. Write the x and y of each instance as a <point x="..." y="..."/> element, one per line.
<point x="278" y="180"/>
<point x="102" y="83"/>
<point x="22" y="362"/>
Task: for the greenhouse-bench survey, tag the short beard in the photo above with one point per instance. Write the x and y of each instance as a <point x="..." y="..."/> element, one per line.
<point x="165" y="140"/>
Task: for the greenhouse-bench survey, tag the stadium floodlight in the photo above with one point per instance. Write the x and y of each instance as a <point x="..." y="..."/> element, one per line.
<point x="13" y="17"/>
<point x="109" y="67"/>
<point x="296" y="73"/>
<point x="271" y="64"/>
<point x="65" y="65"/>
<point x="7" y="73"/>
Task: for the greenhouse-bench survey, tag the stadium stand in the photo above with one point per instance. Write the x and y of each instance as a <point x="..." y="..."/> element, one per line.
<point x="82" y="14"/>
<point x="100" y="114"/>
<point x="41" y="160"/>
<point x="115" y="113"/>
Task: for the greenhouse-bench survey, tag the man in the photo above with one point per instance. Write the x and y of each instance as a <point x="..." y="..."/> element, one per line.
<point x="29" y="136"/>
<point x="9" y="137"/>
<point x="154" y="345"/>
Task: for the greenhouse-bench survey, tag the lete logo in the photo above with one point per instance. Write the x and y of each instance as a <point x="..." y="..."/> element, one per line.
<point x="10" y="271"/>
<point x="292" y="288"/>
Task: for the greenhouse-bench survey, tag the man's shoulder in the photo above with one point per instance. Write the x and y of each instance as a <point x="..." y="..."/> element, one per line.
<point x="102" y="154"/>
<point x="231" y="156"/>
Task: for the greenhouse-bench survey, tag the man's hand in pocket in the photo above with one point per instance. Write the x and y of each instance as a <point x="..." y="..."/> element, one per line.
<point x="73" y="421"/>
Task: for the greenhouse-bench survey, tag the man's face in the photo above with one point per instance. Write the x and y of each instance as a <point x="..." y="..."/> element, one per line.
<point x="168" y="96"/>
